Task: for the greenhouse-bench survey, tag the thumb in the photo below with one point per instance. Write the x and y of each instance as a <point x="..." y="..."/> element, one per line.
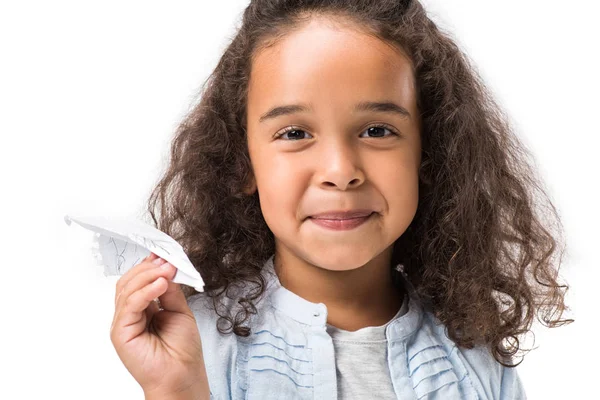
<point x="174" y="299"/>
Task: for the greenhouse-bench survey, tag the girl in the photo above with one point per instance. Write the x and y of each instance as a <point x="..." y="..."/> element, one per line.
<point x="361" y="213"/>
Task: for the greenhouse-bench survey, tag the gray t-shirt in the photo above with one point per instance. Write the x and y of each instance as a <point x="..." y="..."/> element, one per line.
<point x="361" y="361"/>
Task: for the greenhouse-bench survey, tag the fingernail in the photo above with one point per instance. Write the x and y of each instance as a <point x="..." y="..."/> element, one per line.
<point x="158" y="261"/>
<point x="166" y="265"/>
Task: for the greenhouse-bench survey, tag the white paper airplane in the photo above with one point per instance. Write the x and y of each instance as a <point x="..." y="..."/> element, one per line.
<point x="120" y="244"/>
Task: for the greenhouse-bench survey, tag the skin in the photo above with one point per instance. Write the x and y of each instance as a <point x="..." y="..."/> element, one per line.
<point x="332" y="161"/>
<point x="161" y="349"/>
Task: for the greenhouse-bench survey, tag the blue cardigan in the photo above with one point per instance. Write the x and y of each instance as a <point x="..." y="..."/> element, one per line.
<point x="289" y="354"/>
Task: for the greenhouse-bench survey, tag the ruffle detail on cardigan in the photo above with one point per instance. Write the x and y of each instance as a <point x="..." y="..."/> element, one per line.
<point x="436" y="369"/>
<point x="271" y="358"/>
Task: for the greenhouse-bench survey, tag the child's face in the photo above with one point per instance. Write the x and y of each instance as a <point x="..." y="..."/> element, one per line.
<point x="331" y="160"/>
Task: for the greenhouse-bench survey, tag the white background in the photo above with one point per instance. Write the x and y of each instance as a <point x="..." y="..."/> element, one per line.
<point x="91" y="92"/>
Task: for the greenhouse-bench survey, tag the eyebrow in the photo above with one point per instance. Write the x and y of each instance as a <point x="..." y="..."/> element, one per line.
<point x="373" y="106"/>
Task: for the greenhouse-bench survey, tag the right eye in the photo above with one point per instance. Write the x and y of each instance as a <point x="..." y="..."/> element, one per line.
<point x="297" y="132"/>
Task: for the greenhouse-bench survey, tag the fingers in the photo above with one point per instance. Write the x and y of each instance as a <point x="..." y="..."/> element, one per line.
<point x="150" y="272"/>
<point x="151" y="281"/>
<point x="151" y="310"/>
<point x="174" y="300"/>
<point x="136" y="290"/>
<point x="145" y="264"/>
<point x="131" y="315"/>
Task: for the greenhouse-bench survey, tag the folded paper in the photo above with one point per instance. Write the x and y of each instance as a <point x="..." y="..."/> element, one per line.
<point x="119" y="244"/>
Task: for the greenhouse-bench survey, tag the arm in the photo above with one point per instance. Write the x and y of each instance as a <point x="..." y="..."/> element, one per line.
<point x="198" y="390"/>
<point x="511" y="386"/>
<point x="200" y="393"/>
<point x="490" y="379"/>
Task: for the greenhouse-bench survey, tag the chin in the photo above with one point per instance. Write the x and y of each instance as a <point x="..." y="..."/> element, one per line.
<point x="343" y="262"/>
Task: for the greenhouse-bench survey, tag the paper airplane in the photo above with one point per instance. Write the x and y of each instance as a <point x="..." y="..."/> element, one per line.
<point x="120" y="244"/>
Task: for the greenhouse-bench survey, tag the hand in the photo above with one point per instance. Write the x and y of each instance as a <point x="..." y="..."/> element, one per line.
<point x="160" y="348"/>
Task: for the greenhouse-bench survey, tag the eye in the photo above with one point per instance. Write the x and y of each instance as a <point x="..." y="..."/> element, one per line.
<point x="290" y="130"/>
<point x="373" y="129"/>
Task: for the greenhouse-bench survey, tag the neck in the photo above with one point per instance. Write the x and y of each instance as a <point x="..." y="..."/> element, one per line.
<point x="357" y="298"/>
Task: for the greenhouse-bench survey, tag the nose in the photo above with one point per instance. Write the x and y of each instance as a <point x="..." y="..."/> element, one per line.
<point x="340" y="166"/>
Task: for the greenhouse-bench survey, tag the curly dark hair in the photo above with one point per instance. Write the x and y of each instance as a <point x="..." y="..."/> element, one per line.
<point x="484" y="248"/>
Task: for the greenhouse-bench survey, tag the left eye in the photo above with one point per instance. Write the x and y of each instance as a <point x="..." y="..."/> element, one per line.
<point x="381" y="128"/>
<point x="374" y="129"/>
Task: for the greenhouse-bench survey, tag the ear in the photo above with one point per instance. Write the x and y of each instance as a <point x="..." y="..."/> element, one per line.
<point x="251" y="187"/>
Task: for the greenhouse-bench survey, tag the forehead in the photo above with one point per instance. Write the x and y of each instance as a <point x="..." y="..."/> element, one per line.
<point x="328" y="64"/>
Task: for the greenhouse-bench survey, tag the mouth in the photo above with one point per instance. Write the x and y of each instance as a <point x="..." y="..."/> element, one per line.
<point x="343" y="215"/>
<point x="341" y="224"/>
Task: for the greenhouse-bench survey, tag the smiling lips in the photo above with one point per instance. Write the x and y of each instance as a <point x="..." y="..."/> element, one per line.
<point x="341" y="215"/>
<point x="342" y="220"/>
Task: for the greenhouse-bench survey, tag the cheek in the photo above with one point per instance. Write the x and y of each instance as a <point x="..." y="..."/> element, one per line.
<point x="406" y="195"/>
<point x="281" y="183"/>
<point x="398" y="183"/>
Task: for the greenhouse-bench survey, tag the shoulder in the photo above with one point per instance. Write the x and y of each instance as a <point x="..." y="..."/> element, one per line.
<point x="219" y="350"/>
<point x="489" y="378"/>
<point x="224" y="353"/>
<point x="206" y="317"/>
<point x="202" y="308"/>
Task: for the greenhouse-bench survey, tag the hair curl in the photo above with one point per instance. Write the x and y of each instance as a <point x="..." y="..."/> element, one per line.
<point x="477" y="251"/>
